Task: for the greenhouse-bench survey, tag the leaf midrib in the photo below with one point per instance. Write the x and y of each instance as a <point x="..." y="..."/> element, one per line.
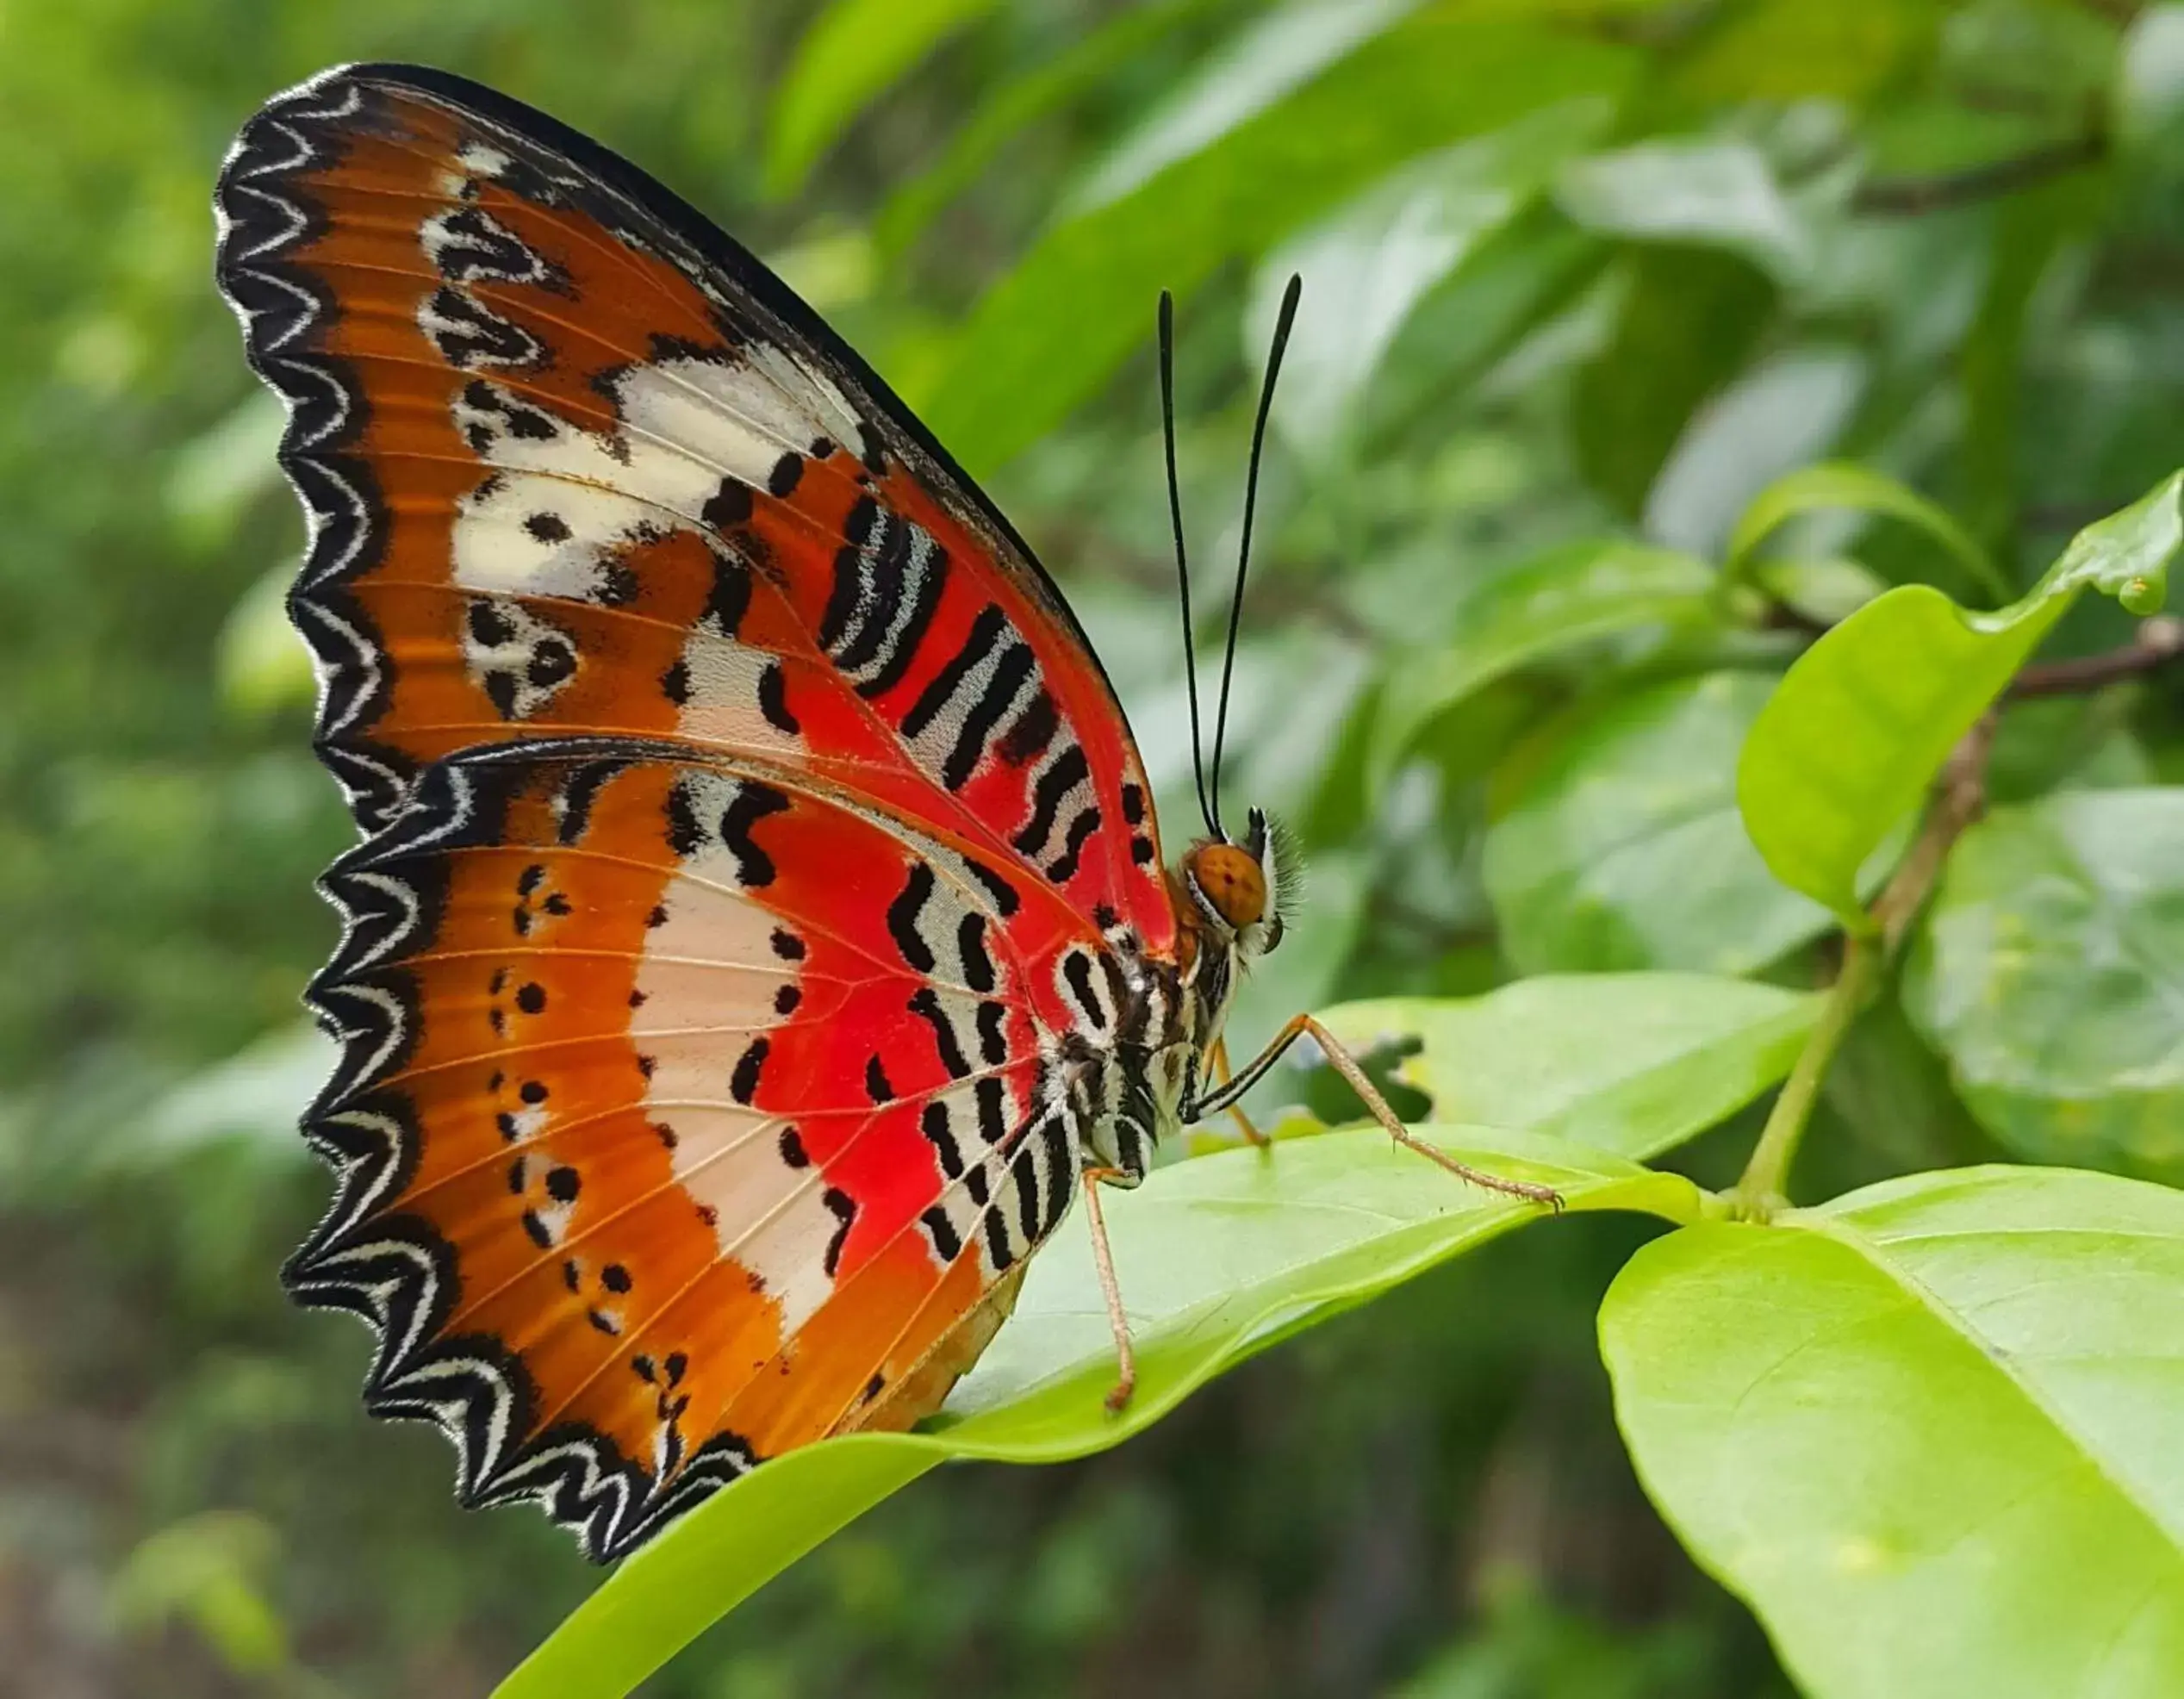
<point x="1872" y="1249"/>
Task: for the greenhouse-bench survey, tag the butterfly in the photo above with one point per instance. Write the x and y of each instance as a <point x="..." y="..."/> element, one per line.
<point x="759" y="935"/>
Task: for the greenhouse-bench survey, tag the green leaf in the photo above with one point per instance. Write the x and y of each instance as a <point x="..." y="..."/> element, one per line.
<point x="1687" y="319"/>
<point x="1218" y="1257"/>
<point x="1264" y="63"/>
<point x="1375" y="258"/>
<point x="1780" y="413"/>
<point x="1829" y="589"/>
<point x="1634" y="1063"/>
<point x="1575" y="593"/>
<point x="1049" y="335"/>
<point x="1717" y="191"/>
<point x="1622" y="847"/>
<point x="1015" y="104"/>
<point x="1837" y="486"/>
<point x="2149" y="95"/>
<point x="1927" y="1432"/>
<point x="1791" y="50"/>
<point x="262" y="664"/>
<point x="2047" y="973"/>
<point x="853" y="50"/>
<point x="1864" y="720"/>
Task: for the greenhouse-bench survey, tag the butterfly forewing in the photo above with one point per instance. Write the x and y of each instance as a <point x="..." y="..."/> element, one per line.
<point x="579" y="464"/>
<point x="748" y="818"/>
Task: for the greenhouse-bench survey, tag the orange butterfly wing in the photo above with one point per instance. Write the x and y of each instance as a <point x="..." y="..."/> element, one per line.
<point x="654" y="1164"/>
<point x="749" y="818"/>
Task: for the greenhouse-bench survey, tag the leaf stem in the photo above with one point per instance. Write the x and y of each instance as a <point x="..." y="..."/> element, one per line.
<point x="1759" y="1191"/>
<point x="1959" y="795"/>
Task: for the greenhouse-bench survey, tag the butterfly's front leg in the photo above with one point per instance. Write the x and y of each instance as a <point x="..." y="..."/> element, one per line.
<point x="1354" y="1076"/>
<point x="1222" y="1074"/>
<point x="1104" y="1262"/>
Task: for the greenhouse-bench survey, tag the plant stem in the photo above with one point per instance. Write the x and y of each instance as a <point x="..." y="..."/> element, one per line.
<point x="2158" y="641"/>
<point x="1760" y="1191"/>
<point x="1959" y="795"/>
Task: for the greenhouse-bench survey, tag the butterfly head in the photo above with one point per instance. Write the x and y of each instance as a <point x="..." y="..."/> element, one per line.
<point x="1239" y="891"/>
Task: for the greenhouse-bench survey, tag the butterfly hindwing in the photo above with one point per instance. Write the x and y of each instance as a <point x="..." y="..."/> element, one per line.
<point x="577" y="463"/>
<point x="657" y="1161"/>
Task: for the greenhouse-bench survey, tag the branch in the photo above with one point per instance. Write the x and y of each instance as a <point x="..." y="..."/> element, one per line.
<point x="1910" y="195"/>
<point x="1959" y="796"/>
<point x="2157" y="642"/>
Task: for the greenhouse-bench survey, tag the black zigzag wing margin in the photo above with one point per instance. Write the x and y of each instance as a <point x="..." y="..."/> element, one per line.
<point x="264" y="219"/>
<point x="369" y="1257"/>
<point x="261" y="222"/>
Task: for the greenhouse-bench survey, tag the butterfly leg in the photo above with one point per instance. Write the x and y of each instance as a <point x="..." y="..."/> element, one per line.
<point x="1224" y="1074"/>
<point x="1355" y="1077"/>
<point x="1104" y="1262"/>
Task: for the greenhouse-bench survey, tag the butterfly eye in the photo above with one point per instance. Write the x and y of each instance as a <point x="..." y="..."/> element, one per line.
<point x="1229" y="876"/>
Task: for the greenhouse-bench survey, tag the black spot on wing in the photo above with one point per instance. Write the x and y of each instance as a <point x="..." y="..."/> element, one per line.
<point x="844" y="1208"/>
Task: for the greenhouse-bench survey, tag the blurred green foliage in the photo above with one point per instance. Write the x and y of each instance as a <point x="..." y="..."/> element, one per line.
<point x="1584" y="278"/>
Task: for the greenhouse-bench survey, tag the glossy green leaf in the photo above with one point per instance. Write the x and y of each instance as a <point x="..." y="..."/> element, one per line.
<point x="2047" y="972"/>
<point x="1051" y="332"/>
<point x="1862" y="722"/>
<point x="1373" y="261"/>
<point x="1621" y="847"/>
<point x="1218" y="1257"/>
<point x="1575" y="593"/>
<point x="1929" y="1431"/>
<point x="1839" y="486"/>
<point x="853" y="50"/>
<point x="1634" y="1063"/>
<point x="1716" y="191"/>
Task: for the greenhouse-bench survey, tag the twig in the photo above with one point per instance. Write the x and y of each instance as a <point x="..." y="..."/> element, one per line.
<point x="1959" y="796"/>
<point x="2157" y="642"/>
<point x="1909" y="196"/>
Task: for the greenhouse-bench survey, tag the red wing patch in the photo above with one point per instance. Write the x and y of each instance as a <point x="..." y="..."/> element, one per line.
<point x="658" y="1160"/>
<point x="578" y="465"/>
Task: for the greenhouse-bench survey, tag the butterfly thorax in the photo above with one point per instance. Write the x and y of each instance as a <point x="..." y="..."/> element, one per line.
<point x="1142" y="1085"/>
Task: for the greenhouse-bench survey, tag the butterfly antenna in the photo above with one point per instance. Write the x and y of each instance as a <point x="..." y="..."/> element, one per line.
<point x="1182" y="562"/>
<point x="1282" y="325"/>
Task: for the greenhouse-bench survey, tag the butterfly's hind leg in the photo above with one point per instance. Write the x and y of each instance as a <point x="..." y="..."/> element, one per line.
<point x="1104" y="1262"/>
<point x="1354" y="1076"/>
